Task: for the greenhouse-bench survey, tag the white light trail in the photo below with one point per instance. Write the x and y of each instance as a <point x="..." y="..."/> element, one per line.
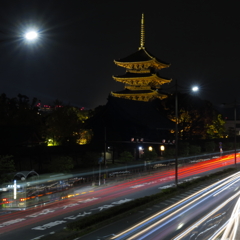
<point x="221" y="183"/>
<point x="183" y="234"/>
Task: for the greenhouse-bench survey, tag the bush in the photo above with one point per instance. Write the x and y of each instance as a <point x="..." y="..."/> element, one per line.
<point x="126" y="156"/>
<point x="91" y="158"/>
<point x="228" y="145"/>
<point x="169" y="152"/>
<point x="7" y="167"/>
<point x="61" y="164"/>
<point x="209" y="146"/>
<point x="183" y="148"/>
<point x="194" y="150"/>
<point x="149" y="155"/>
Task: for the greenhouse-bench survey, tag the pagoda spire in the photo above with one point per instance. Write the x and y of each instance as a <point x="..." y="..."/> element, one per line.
<point x="142" y="40"/>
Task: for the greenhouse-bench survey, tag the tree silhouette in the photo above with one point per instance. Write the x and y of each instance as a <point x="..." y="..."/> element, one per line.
<point x="196" y="117"/>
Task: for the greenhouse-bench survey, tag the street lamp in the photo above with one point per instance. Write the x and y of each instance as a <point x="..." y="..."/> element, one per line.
<point x="31" y="35"/>
<point x="176" y="136"/>
<point x="194" y="89"/>
<point x="162" y="149"/>
<point x="235" y="130"/>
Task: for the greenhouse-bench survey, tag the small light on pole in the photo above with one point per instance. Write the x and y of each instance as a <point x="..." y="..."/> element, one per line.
<point x="195" y="88"/>
<point x="162" y="148"/>
<point x="31" y="36"/>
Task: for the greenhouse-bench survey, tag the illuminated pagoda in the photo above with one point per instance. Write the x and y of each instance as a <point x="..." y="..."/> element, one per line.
<point x="141" y="78"/>
<point x="136" y="112"/>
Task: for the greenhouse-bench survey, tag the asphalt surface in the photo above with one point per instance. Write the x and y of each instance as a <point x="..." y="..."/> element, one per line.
<point x="179" y="222"/>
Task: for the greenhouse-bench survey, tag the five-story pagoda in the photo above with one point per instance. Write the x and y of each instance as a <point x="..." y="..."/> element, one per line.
<point x="141" y="78"/>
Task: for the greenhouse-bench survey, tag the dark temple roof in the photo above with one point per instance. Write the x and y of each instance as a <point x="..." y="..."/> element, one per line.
<point x="132" y="75"/>
<point x="141" y="55"/>
<point x="127" y="91"/>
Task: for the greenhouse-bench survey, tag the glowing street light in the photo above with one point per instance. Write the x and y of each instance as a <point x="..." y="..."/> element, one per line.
<point x="162" y="149"/>
<point x="194" y="89"/>
<point x="31" y="35"/>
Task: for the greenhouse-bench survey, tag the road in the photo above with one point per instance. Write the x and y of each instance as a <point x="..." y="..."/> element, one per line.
<point x="195" y="217"/>
<point x="43" y="220"/>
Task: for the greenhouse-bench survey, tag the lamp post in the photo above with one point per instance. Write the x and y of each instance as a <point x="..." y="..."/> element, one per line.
<point x="162" y="149"/>
<point x="235" y="129"/>
<point x="100" y="160"/>
<point x="176" y="135"/>
<point x="194" y="89"/>
<point x="235" y="123"/>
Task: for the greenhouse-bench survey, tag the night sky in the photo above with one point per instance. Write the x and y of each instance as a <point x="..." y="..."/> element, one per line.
<point x="72" y="61"/>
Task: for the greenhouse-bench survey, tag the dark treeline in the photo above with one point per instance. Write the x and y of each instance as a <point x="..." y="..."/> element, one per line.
<point x="27" y="129"/>
<point x="25" y="122"/>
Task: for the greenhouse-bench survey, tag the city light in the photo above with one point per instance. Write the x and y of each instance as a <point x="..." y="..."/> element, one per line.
<point x="195" y="89"/>
<point x="31" y="35"/>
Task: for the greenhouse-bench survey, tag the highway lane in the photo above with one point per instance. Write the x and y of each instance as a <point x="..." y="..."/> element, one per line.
<point x="208" y="211"/>
<point x="44" y="220"/>
<point x="230" y="230"/>
<point x="36" y="222"/>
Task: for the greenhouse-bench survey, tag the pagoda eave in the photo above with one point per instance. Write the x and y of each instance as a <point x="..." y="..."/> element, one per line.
<point x="142" y="64"/>
<point x="154" y="80"/>
<point x="153" y="77"/>
<point x="139" y="96"/>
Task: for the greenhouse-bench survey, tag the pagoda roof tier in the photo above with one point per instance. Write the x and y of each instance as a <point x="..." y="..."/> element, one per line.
<point x="139" y="95"/>
<point x="129" y="91"/>
<point x="141" y="79"/>
<point x="141" y="59"/>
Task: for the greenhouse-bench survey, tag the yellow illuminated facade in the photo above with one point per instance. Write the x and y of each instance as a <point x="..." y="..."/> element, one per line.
<point x="141" y="78"/>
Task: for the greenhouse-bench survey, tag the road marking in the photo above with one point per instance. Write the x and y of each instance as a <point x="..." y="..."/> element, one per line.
<point x="177" y="198"/>
<point x="77" y="216"/>
<point x="88" y="200"/>
<point x="4" y="224"/>
<point x="37" y="238"/>
<point x="49" y="225"/>
<point x="164" y="203"/>
<point x="43" y="212"/>
<point x="184" y="195"/>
